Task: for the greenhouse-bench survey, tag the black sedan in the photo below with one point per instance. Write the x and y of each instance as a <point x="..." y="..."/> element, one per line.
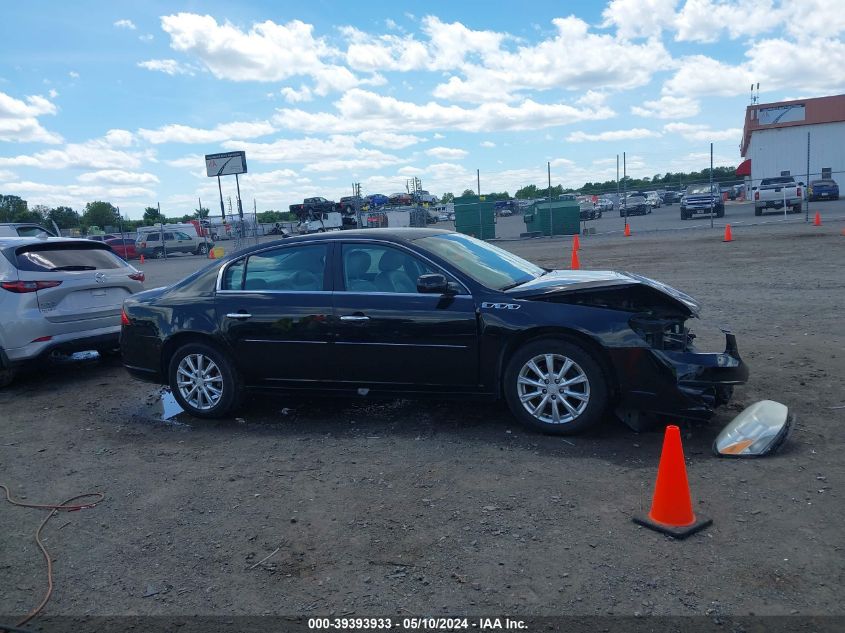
<point x="415" y="312"/>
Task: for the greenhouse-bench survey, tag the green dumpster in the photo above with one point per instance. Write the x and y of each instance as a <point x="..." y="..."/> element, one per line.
<point x="559" y="217"/>
<point x="474" y="215"/>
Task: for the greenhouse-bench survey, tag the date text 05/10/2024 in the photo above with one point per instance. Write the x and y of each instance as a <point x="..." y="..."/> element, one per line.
<point x="417" y="624"/>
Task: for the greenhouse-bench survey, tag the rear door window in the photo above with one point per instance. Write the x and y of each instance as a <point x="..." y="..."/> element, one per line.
<point x="299" y="268"/>
<point x="58" y="257"/>
<point x="152" y="237"/>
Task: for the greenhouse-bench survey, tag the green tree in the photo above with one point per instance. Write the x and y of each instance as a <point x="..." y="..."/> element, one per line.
<point x="13" y="208"/>
<point x="526" y="193"/>
<point x="467" y="192"/>
<point x="447" y="197"/>
<point x="201" y="213"/>
<point x="101" y="214"/>
<point x="151" y="215"/>
<point x="64" y="217"/>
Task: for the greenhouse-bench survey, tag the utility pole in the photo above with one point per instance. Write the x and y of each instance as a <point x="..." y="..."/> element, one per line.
<point x="161" y="234"/>
<point x="478" y="181"/>
<point x="807" y="182"/>
<point x="222" y="208"/>
<point x="205" y="229"/>
<point x="617" y="181"/>
<point x="625" y="187"/>
<point x="551" y="224"/>
<point x="711" y="185"/>
<point x="240" y="207"/>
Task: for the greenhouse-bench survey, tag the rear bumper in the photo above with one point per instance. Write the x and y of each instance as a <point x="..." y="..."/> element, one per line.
<point x="102" y="338"/>
<point x="776" y="204"/>
<point x="688" y="385"/>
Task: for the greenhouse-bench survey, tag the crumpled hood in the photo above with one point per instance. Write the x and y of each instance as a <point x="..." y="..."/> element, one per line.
<point x="563" y="281"/>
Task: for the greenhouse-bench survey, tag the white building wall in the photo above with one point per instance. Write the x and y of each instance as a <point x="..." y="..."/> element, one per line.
<point x="785" y="149"/>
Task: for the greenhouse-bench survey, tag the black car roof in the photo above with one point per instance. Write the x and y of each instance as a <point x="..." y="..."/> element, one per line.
<point x="393" y="235"/>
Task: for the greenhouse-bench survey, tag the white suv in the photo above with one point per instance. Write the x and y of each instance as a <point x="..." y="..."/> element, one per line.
<point x="59" y="294"/>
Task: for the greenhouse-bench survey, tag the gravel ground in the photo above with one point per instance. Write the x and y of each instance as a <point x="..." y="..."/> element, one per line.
<point x="411" y="508"/>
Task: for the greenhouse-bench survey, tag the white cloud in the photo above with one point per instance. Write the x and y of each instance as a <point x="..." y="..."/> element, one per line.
<point x="125" y="24"/>
<point x="639" y="18"/>
<point x="19" y="119"/>
<point x="613" y="135"/>
<point x="191" y="160"/>
<point x="77" y="195"/>
<point x="119" y="138"/>
<point x="668" y="107"/>
<point x="146" y="37"/>
<point x="292" y="95"/>
<point x="118" y="177"/>
<point x="175" y="133"/>
<point x="73" y="74"/>
<point x="168" y="66"/>
<point x="53" y="93"/>
<point x="6" y="175"/>
<point x="574" y="59"/>
<point x="389" y="139"/>
<point x="335" y="153"/>
<point x="705" y="20"/>
<point x="359" y="110"/>
<point x="93" y="154"/>
<point x="699" y="133"/>
<point x="267" y="52"/>
<point x="447" y="153"/>
<point x="487" y="144"/>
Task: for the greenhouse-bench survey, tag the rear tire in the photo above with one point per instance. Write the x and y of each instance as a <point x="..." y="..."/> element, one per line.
<point x="6" y="377"/>
<point x="202" y="249"/>
<point x="529" y="382"/>
<point x="158" y="253"/>
<point x="796" y="208"/>
<point x="204" y="381"/>
<point x="758" y="212"/>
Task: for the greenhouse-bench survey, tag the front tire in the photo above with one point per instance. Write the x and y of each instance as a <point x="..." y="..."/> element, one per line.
<point x="555" y="387"/>
<point x="204" y="381"/>
<point x="202" y="249"/>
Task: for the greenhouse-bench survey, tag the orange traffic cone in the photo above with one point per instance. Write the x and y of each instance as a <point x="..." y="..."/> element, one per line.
<point x="576" y="243"/>
<point x="211" y="253"/>
<point x="142" y="258"/>
<point x="575" y="265"/>
<point x="728" y="236"/>
<point x="671" y="508"/>
<point x="627" y="230"/>
<point x="817" y="221"/>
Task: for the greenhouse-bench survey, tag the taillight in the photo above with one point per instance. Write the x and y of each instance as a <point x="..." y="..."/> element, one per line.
<point x="139" y="276"/>
<point x="756" y="195"/>
<point x="21" y="287"/>
<point x="124" y="320"/>
<point x="798" y="192"/>
<point x="143" y="245"/>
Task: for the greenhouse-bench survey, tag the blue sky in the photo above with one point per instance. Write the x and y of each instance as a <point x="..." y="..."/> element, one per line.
<point x="120" y="101"/>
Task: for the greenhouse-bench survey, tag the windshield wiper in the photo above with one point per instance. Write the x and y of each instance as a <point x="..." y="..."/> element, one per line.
<point x="76" y="267"/>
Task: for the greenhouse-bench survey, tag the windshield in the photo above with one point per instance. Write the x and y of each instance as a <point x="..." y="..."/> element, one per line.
<point x="488" y="265"/>
<point x="782" y="180"/>
<point x="700" y="189"/>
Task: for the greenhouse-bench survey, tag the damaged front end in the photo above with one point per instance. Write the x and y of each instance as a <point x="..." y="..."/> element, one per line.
<point x="658" y="370"/>
<point x="685" y="382"/>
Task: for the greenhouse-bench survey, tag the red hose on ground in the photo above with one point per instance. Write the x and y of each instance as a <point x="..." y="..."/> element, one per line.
<point x="64" y="506"/>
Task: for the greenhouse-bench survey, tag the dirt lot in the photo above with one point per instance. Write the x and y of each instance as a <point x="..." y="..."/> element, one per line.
<point x="414" y="508"/>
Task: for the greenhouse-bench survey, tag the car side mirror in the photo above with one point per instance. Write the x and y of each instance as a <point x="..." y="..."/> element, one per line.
<point x="433" y="283"/>
<point x="801" y="183"/>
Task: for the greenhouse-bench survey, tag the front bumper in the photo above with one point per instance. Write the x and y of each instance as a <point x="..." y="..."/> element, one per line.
<point x="687" y="385"/>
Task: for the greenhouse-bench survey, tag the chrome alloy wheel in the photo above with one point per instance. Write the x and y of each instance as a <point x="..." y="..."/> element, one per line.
<point x="199" y="381"/>
<point x="553" y="388"/>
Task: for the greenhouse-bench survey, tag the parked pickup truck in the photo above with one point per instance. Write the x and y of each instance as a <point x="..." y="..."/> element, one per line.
<point x="774" y="193"/>
<point x="701" y="199"/>
<point x="313" y="205"/>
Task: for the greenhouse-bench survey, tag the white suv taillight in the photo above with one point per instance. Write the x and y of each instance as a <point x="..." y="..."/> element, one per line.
<point x="28" y="286"/>
<point x="798" y="192"/>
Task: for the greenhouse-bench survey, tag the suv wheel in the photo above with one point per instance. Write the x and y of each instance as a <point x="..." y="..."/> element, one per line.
<point x="202" y="249"/>
<point x="158" y="253"/>
<point x="6" y="377"/>
<point x="555" y="387"/>
<point x="204" y="381"/>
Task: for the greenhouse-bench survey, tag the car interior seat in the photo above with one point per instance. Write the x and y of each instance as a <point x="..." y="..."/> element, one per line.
<point x="357" y="264"/>
<point x="392" y="276"/>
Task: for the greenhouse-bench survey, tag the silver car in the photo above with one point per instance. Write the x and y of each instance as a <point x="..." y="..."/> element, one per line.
<point x="59" y="294"/>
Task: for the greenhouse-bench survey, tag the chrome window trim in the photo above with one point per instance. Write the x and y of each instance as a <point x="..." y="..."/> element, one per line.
<point x="218" y="287"/>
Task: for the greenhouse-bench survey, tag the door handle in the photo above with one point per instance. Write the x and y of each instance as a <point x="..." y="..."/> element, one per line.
<point x="238" y="315"/>
<point x="354" y="317"/>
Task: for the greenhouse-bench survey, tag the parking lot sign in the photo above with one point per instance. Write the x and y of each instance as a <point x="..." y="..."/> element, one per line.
<point x="225" y="164"/>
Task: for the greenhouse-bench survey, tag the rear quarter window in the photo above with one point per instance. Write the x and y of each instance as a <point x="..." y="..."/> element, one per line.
<point x="57" y="257"/>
